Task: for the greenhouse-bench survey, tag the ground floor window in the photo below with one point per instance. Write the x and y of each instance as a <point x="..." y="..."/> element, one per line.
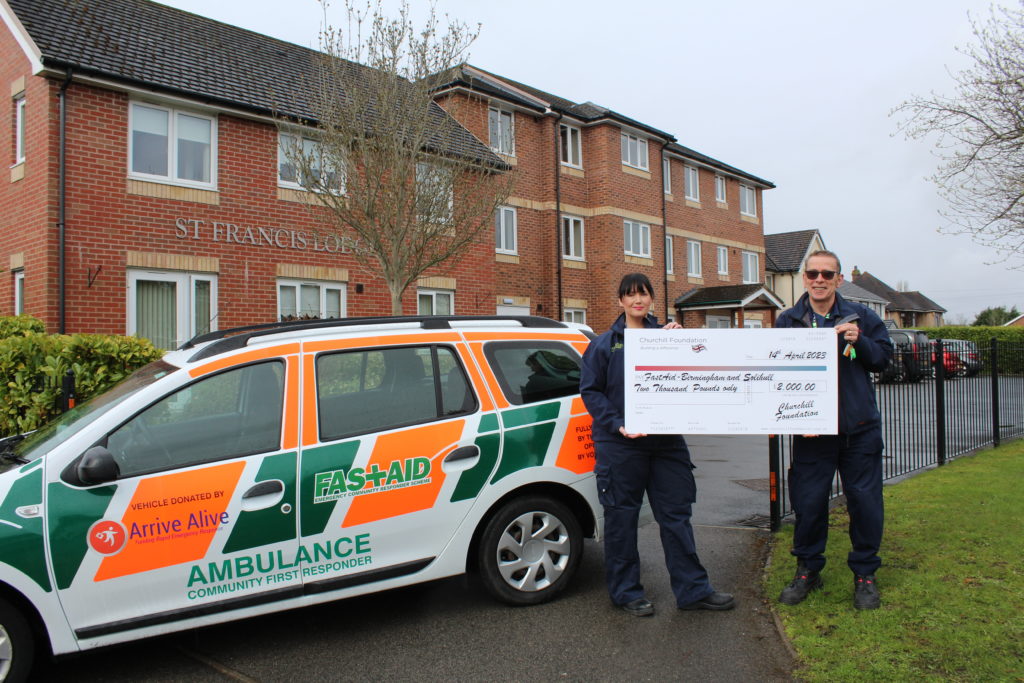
<point x="169" y="308"/>
<point x="304" y="300"/>
<point x="575" y="315"/>
<point x="719" y="322"/>
<point x="435" y="302"/>
<point x="19" y="292"/>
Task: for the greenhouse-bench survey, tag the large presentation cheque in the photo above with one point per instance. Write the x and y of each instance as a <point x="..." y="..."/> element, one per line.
<point x="738" y="381"/>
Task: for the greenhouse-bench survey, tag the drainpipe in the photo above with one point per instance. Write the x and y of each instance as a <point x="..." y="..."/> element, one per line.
<point x="61" y="202"/>
<point x="558" y="218"/>
<point x="664" y="231"/>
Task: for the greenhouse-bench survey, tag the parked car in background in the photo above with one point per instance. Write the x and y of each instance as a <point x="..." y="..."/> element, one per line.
<point x="951" y="363"/>
<point x="968" y="353"/>
<point x="911" y="359"/>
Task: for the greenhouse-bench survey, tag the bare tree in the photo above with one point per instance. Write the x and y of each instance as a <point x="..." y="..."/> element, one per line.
<point x="402" y="182"/>
<point x="979" y="135"/>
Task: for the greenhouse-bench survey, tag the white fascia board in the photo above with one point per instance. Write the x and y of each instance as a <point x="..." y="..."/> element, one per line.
<point x="22" y="37"/>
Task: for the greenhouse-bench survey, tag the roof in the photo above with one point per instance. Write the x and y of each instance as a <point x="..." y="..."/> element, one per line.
<point x="855" y="293"/>
<point x="898" y="301"/>
<point x="786" y="250"/>
<point x="1019" y="320"/>
<point x="142" y="43"/>
<point x="729" y="296"/>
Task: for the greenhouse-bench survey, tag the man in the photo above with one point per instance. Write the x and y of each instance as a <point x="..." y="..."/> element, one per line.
<point x="856" y="451"/>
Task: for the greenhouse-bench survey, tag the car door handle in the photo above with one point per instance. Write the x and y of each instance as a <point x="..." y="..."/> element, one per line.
<point x="264" y="488"/>
<point x="263" y="495"/>
<point x="461" y="459"/>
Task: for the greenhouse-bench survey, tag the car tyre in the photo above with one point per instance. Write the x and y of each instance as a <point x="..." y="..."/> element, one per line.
<point x="17" y="649"/>
<point x="529" y="550"/>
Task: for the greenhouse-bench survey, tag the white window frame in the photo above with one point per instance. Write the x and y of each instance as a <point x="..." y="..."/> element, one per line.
<point x="574" y="315"/>
<point x="691" y="176"/>
<point x="310" y="146"/>
<point x="324" y="286"/>
<point x="693" y="258"/>
<point x="504" y="215"/>
<point x="723" y="260"/>
<point x="571" y="139"/>
<point x="19" y="292"/>
<point x="172" y="152"/>
<point x="636" y="232"/>
<point x="572" y="248"/>
<point x="434" y="294"/>
<point x="634" y="151"/>
<point x="666" y="175"/>
<point x="428" y="181"/>
<point x="19" y="130"/>
<point x="185" y="302"/>
<point x="504" y="139"/>
<point x="670" y="261"/>
<point x="720" y="188"/>
<point x="748" y="200"/>
<point x="751" y="267"/>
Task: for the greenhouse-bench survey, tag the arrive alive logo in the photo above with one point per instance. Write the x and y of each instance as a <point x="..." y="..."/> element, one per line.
<point x="357" y="481"/>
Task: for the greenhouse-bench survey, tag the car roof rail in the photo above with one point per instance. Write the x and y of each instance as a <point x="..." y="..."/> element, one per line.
<point x="238" y="337"/>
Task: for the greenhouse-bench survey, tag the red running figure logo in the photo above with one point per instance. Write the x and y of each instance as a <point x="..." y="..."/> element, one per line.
<point x="107" y="537"/>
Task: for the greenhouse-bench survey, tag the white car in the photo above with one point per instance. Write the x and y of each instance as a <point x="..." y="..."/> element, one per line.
<point x="278" y="466"/>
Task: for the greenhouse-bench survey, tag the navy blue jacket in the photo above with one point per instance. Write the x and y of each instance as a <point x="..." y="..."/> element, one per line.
<point x="603" y="388"/>
<point x="857" y="408"/>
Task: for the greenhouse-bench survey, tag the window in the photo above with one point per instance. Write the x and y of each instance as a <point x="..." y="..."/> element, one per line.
<point x="505" y="230"/>
<point x="435" y="192"/>
<point x="19" y="292"/>
<point x="529" y="372"/>
<point x="666" y="175"/>
<point x="723" y="260"/>
<point x="169" y="308"/>
<point x="669" y="256"/>
<point x="19" y="130"/>
<point x="298" y="300"/>
<point x="693" y="258"/>
<point x="634" y="151"/>
<point x="293" y="153"/>
<point x="376" y="389"/>
<point x="750" y="267"/>
<point x="637" y="239"/>
<point x="716" y="322"/>
<point x="171" y="145"/>
<point x="574" y="315"/>
<point x="226" y="415"/>
<point x="720" y="188"/>
<point x="435" y="302"/>
<point x="692" y="178"/>
<point x="572" y="237"/>
<point x="769" y="281"/>
<point x="572" y="151"/>
<point x="502" y="135"/>
<point x="748" y="200"/>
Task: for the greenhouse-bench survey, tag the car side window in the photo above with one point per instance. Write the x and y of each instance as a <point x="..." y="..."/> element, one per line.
<point x="529" y="372"/>
<point x="227" y="415"/>
<point x="377" y="389"/>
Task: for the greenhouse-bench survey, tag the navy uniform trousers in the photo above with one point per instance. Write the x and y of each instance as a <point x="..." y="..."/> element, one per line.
<point x="624" y="472"/>
<point x="858" y="459"/>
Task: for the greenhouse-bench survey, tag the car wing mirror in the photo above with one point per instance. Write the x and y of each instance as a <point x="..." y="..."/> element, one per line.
<point x="97" y="466"/>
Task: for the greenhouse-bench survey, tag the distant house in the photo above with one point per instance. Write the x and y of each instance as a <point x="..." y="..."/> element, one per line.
<point x="906" y="309"/>
<point x="852" y="292"/>
<point x="785" y="253"/>
<point x="1016" y="322"/>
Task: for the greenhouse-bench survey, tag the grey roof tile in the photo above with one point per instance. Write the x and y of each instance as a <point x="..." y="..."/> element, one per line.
<point x="787" y="249"/>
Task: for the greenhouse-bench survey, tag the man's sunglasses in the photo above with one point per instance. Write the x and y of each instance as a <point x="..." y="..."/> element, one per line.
<point x="813" y="274"/>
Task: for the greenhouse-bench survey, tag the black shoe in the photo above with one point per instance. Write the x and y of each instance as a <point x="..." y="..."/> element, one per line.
<point x="803" y="583"/>
<point x="865" y="592"/>
<point x="715" y="601"/>
<point x="641" y="607"/>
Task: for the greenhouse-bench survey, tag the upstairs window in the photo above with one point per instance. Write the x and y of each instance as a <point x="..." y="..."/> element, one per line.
<point x="435" y="192"/>
<point x="751" y="267"/>
<point x="572" y="151"/>
<point x="505" y="230"/>
<point x="19" y="130"/>
<point x="692" y="183"/>
<point x="748" y="200"/>
<point x="720" y="188"/>
<point x="693" y="258"/>
<point x="572" y="237"/>
<point x="723" y="260"/>
<point x="171" y="145"/>
<point x="666" y="176"/>
<point x="19" y="292"/>
<point x="293" y="153"/>
<point x="637" y="239"/>
<point x="634" y="151"/>
<point x="499" y="126"/>
<point x="670" y="259"/>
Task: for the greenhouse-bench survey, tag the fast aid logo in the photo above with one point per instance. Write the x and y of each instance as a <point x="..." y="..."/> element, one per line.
<point x="335" y="484"/>
<point x="107" y="537"/>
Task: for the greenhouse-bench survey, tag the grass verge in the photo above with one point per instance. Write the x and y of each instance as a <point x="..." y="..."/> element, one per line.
<point x="952" y="582"/>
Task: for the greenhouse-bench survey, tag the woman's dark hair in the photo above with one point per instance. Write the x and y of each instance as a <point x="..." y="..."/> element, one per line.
<point x="633" y="283"/>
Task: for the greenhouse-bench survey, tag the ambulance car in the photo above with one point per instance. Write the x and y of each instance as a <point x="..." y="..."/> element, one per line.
<point x="284" y="465"/>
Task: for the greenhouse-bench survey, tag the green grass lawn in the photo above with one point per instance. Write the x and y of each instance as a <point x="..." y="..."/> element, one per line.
<point x="952" y="582"/>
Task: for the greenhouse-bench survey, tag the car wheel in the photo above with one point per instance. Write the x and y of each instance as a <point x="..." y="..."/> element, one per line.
<point x="16" y="647"/>
<point x="529" y="550"/>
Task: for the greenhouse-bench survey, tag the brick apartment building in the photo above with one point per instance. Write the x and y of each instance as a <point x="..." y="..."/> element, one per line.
<point x="146" y="194"/>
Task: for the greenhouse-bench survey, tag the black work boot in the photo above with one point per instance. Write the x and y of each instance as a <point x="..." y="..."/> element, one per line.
<point x="803" y="583"/>
<point x="865" y="592"/>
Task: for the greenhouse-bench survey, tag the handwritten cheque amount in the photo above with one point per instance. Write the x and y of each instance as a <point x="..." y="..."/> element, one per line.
<point x="737" y="381"/>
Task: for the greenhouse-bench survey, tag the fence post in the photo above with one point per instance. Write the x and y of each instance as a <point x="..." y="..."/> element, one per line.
<point x="67" y="391"/>
<point x="774" y="469"/>
<point x="994" y="359"/>
<point x="940" y="402"/>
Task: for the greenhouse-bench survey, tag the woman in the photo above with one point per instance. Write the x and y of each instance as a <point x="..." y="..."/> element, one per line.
<point x="629" y="464"/>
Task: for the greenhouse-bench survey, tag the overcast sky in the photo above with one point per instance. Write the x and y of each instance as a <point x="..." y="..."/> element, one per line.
<point x="797" y="92"/>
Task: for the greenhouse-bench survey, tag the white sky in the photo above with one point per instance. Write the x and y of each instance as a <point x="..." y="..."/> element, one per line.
<point x="794" y="91"/>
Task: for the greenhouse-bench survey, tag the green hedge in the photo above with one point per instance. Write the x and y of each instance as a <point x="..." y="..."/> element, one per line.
<point x="19" y="325"/>
<point x="32" y="366"/>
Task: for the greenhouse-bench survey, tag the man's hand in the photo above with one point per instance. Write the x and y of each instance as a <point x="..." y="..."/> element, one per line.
<point x="849" y="332"/>
<point x="622" y="430"/>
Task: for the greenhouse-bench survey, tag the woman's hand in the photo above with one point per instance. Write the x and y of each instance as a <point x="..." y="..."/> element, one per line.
<point x="672" y="326"/>
<point x="622" y="430"/>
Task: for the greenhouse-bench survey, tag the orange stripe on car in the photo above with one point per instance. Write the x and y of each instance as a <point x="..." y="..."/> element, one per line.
<point x="291" y="406"/>
<point x="247" y="357"/>
<point x="532" y="336"/>
<point x="378" y="341"/>
<point x="309" y="413"/>
<point x="485" y="368"/>
<point x="486" y="405"/>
